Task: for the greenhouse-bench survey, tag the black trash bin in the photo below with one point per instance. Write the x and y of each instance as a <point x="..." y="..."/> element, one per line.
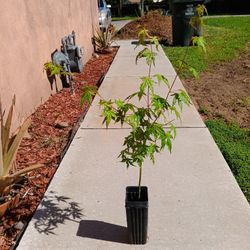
<point x="182" y="12"/>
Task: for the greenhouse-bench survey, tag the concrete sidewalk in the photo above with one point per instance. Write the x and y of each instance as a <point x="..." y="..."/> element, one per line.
<point x="194" y="200"/>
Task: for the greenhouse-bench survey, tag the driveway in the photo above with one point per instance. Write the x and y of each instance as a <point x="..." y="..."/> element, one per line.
<point x="119" y="24"/>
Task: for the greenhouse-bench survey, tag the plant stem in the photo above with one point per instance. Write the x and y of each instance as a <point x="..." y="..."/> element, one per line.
<point x="149" y="75"/>
<point x="178" y="72"/>
<point x="175" y="78"/>
<point x="139" y="184"/>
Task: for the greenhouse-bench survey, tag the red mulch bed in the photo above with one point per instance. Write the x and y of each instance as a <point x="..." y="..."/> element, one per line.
<point x="157" y="25"/>
<point x="46" y="144"/>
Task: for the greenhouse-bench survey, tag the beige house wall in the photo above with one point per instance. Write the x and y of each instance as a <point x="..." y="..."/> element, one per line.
<point x="30" y="30"/>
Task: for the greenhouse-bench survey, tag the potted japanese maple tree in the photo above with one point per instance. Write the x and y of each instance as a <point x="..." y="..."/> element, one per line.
<point x="151" y="129"/>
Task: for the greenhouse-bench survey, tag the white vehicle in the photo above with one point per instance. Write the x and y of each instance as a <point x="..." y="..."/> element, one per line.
<point x="104" y="14"/>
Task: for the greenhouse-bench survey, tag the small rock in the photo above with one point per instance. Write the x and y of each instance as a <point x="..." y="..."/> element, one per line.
<point x="247" y="66"/>
<point x="95" y="55"/>
<point x="19" y="225"/>
<point x="246" y="80"/>
<point x="61" y="124"/>
<point x="27" y="135"/>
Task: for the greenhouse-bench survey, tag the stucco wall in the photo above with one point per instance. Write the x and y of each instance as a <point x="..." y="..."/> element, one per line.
<point x="30" y="30"/>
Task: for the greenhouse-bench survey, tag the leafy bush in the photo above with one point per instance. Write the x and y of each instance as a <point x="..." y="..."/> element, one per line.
<point x="53" y="69"/>
<point x="234" y="144"/>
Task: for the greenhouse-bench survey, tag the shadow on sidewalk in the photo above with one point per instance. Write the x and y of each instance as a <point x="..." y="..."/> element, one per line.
<point x="102" y="231"/>
<point x="54" y="210"/>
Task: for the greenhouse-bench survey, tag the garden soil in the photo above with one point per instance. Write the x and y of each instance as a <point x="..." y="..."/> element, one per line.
<point x="223" y="92"/>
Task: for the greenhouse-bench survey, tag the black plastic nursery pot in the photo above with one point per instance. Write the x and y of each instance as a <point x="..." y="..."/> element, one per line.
<point x="137" y="214"/>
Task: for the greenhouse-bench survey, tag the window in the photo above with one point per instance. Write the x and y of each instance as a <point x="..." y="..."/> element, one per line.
<point x="100" y="3"/>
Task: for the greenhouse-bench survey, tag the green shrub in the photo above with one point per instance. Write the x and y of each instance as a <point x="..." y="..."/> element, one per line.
<point x="234" y="143"/>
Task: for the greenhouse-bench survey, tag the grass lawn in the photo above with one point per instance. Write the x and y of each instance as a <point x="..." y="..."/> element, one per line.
<point x="234" y="144"/>
<point x="225" y="37"/>
<point x="124" y="18"/>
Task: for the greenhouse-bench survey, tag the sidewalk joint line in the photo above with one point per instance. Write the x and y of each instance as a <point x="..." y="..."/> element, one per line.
<point x="130" y="128"/>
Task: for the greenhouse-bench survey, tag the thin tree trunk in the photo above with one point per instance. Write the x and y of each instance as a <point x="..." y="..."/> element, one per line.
<point x="120" y="8"/>
<point x="142" y="7"/>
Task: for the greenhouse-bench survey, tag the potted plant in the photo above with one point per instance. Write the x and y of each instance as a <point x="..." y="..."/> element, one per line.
<point x="103" y="39"/>
<point x="151" y="129"/>
<point x="9" y="145"/>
